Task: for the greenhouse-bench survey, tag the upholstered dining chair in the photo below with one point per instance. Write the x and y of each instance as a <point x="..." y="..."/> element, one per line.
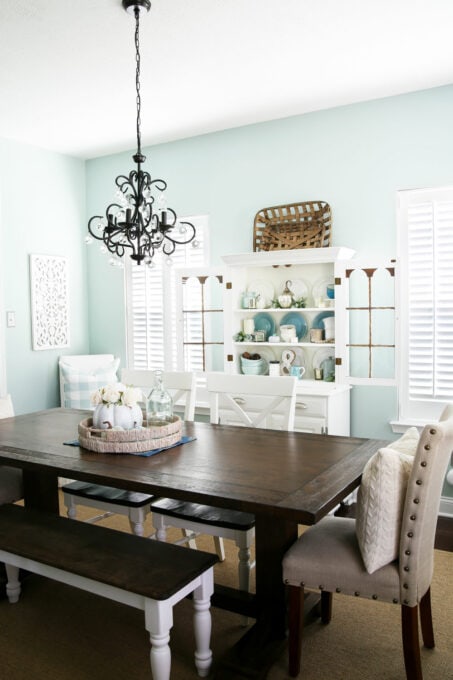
<point x="274" y="403"/>
<point x="11" y="488"/>
<point x="332" y="557"/>
<point x="110" y="500"/>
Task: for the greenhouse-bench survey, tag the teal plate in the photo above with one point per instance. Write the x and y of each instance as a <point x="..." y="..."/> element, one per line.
<point x="298" y="320"/>
<point x="317" y="321"/>
<point x="264" y="322"/>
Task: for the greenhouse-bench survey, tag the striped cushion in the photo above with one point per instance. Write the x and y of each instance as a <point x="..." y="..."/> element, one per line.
<point x="79" y="385"/>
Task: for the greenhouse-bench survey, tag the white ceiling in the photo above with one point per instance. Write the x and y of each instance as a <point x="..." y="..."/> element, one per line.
<point x="67" y="67"/>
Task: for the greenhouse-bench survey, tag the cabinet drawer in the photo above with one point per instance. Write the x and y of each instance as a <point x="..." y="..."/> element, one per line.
<point x="313" y="425"/>
<point x="311" y="406"/>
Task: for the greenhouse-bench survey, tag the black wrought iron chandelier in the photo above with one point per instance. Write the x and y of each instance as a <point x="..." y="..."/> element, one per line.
<point x="140" y="222"/>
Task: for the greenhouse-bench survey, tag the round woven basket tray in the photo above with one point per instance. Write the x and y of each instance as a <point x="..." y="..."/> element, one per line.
<point x="155" y="436"/>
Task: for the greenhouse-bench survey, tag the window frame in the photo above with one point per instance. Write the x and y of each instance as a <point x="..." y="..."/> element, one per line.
<point x="410" y="411"/>
<point x="169" y="290"/>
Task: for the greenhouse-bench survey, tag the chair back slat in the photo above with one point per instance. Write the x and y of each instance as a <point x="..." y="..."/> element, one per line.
<point x="180" y="384"/>
<point x="231" y="390"/>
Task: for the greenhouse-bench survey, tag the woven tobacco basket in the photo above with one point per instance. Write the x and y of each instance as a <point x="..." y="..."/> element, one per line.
<point x="296" y="225"/>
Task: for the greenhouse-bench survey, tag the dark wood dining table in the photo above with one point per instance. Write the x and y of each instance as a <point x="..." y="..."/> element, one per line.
<point x="284" y="478"/>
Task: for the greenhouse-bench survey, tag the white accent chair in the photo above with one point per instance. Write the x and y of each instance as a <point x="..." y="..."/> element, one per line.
<point x="279" y="393"/>
<point x="11" y="488"/>
<point x="135" y="506"/>
<point x="82" y="374"/>
<point x="327" y="556"/>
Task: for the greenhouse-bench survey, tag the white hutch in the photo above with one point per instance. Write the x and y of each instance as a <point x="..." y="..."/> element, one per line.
<point x="322" y="406"/>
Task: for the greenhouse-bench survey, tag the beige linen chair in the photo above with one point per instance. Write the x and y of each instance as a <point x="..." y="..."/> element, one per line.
<point x="327" y="556"/>
<point x="135" y="506"/>
<point x="230" y="391"/>
<point x="11" y="488"/>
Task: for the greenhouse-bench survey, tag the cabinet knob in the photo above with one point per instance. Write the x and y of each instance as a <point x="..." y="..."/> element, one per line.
<point x="301" y="405"/>
<point x="239" y="400"/>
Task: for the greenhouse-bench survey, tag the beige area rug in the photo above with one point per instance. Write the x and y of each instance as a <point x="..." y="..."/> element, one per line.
<point x="60" y="633"/>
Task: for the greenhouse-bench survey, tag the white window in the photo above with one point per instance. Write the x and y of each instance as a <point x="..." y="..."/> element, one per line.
<point x="425" y="224"/>
<point x="151" y="303"/>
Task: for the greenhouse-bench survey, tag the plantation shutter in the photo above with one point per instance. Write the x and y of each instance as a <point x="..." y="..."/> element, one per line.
<point x="151" y="304"/>
<point x="427" y="369"/>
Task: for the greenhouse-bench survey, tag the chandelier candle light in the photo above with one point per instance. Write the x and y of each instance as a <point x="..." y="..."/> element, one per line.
<point x="140" y="222"/>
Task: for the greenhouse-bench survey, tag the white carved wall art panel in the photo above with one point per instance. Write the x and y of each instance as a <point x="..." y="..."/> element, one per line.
<point x="49" y="301"/>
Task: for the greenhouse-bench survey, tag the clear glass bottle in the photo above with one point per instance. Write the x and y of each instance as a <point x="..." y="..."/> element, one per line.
<point x="159" y="404"/>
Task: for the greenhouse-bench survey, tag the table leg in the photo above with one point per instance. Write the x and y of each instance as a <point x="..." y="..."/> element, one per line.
<point x="41" y="490"/>
<point x="257" y="650"/>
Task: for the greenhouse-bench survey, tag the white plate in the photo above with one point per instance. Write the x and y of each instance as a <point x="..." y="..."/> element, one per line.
<point x="300" y="359"/>
<point x="300" y="289"/>
<point x="264" y="289"/>
<point x="321" y="355"/>
<point x="319" y="290"/>
<point x="266" y="352"/>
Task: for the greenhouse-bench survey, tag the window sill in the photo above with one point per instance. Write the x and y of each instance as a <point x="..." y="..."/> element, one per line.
<point x="400" y="426"/>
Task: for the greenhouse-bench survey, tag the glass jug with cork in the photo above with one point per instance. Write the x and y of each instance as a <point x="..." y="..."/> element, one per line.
<point x="159" y="404"/>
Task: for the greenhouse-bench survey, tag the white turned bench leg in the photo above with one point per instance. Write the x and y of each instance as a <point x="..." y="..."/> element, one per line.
<point x="202" y="624"/>
<point x="13" y="586"/>
<point x="158" y="622"/>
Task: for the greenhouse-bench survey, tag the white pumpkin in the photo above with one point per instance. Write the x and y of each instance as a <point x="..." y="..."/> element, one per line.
<point x="106" y="416"/>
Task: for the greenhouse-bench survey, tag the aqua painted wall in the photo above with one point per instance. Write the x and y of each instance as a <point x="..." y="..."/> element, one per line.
<point x="354" y="157"/>
<point x="42" y="211"/>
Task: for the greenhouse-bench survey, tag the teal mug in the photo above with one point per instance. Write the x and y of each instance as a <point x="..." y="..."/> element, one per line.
<point x="297" y="371"/>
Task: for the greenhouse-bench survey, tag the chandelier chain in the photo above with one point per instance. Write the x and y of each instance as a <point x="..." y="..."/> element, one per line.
<point x="137" y="76"/>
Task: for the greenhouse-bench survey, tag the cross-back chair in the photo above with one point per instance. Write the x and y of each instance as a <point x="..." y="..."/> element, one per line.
<point x="328" y="557"/>
<point x="110" y="500"/>
<point x="229" y="391"/>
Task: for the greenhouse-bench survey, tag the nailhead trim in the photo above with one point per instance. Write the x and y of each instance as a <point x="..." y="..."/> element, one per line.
<point x="286" y="581"/>
<point x="374" y="597"/>
<point x="423" y="463"/>
<point x="432" y="431"/>
<point x="357" y="594"/>
<point x="338" y="590"/>
<point x="427" y="447"/>
<point x="405" y="586"/>
<point x="395" y="601"/>
<point x="321" y="587"/>
<point x="406" y="601"/>
<point x="419" y="482"/>
<point x="410" y="534"/>
<point x="416" y="501"/>
<point x="406" y="569"/>
<point x="407" y="552"/>
<point x="413" y="517"/>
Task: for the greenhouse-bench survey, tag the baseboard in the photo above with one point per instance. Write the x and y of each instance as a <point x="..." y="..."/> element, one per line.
<point x="446" y="507"/>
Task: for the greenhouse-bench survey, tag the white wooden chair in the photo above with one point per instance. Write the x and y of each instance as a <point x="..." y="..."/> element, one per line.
<point x="11" y="488"/>
<point x="82" y="374"/>
<point x="135" y="506"/>
<point x="279" y="395"/>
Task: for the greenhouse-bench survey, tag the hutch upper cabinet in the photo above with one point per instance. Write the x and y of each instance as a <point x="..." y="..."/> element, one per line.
<point x="253" y="284"/>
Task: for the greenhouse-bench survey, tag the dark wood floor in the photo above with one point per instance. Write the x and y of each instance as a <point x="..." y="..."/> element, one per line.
<point x="444" y="534"/>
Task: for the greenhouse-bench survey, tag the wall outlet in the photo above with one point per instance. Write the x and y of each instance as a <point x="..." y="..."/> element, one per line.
<point x="10" y="319"/>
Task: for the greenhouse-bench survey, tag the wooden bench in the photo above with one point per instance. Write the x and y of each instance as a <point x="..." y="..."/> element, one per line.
<point x="146" y="574"/>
